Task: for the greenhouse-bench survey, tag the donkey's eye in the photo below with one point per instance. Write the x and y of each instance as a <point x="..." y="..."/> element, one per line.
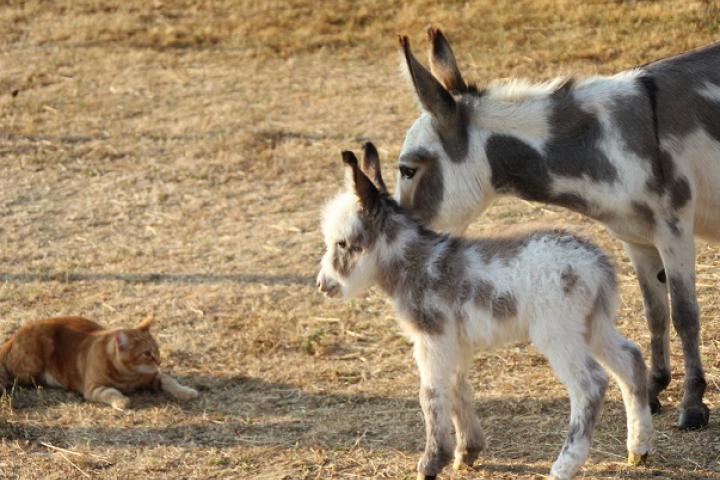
<point x="407" y="172"/>
<point x="342" y="244"/>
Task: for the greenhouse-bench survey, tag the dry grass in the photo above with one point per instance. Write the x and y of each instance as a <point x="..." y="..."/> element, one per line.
<point x="171" y="157"/>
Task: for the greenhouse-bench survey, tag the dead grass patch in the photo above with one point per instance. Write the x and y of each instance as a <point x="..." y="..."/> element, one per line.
<point x="172" y="157"/>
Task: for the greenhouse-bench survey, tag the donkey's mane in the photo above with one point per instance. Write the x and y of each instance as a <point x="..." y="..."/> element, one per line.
<point x="519" y="89"/>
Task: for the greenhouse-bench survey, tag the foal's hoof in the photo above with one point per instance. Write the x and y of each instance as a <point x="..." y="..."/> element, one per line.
<point x="693" y="418"/>
<point x="655" y="406"/>
<point x="422" y="476"/>
<point x="637" y="458"/>
<point x="465" y="460"/>
<point x="460" y="464"/>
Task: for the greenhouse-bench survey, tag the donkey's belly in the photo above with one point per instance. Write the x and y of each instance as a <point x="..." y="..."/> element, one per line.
<point x="702" y="152"/>
<point x="707" y="224"/>
<point x="707" y="201"/>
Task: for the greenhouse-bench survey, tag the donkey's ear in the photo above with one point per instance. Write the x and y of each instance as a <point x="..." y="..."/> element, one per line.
<point x="371" y="166"/>
<point x="432" y="95"/>
<point x="366" y="192"/>
<point x="442" y="62"/>
<point x="147" y="322"/>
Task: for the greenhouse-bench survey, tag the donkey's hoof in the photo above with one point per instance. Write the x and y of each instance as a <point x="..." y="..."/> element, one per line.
<point x="637" y="458"/>
<point x="422" y="476"/>
<point x="695" y="417"/>
<point x="655" y="406"/>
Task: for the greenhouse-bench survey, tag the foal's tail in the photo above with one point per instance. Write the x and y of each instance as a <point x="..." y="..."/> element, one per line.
<point x="603" y="315"/>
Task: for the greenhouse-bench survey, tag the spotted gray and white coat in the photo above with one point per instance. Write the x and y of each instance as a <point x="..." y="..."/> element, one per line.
<point x="453" y="296"/>
<point x="638" y="151"/>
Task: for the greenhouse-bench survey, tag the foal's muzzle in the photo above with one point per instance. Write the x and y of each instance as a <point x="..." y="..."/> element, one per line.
<point x="327" y="285"/>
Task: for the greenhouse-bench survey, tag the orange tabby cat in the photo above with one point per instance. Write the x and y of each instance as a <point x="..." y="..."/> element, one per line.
<point x="78" y="354"/>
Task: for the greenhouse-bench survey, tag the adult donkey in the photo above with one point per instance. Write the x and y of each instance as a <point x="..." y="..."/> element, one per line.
<point x="638" y="151"/>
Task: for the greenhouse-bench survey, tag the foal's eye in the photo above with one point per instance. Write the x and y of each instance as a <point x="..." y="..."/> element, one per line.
<point x="342" y="244"/>
<point x="407" y="172"/>
<point x="148" y="354"/>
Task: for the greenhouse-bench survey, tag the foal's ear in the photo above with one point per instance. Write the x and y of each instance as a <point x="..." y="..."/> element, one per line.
<point x="147" y="322"/>
<point x="432" y="95"/>
<point x="371" y="166"/>
<point x="442" y="62"/>
<point x="366" y="192"/>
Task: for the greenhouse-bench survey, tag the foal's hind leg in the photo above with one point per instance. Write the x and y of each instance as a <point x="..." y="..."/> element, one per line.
<point x="586" y="382"/>
<point x="470" y="440"/>
<point x="624" y="360"/>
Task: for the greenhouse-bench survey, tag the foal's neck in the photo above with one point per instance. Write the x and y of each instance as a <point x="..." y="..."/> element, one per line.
<point x="403" y="255"/>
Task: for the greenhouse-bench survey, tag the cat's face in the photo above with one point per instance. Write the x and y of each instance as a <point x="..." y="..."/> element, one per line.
<point x="138" y="350"/>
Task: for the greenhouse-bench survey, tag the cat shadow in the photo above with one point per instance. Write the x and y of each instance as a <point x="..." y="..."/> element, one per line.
<point x="24" y="398"/>
<point x="31" y="397"/>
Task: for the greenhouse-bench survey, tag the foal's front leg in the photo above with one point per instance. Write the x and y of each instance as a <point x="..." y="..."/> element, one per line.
<point x="435" y="399"/>
<point x="470" y="439"/>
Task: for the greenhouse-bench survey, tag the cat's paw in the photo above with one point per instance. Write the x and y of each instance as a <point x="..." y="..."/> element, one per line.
<point x="185" y="393"/>
<point x="120" y="403"/>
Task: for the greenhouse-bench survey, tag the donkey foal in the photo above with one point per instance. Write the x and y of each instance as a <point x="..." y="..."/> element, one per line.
<point x="452" y="295"/>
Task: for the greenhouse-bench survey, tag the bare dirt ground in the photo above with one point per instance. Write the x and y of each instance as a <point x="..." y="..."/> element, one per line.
<point x="172" y="158"/>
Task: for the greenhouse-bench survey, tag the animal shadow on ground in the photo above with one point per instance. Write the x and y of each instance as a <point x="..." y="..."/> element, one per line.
<point x="174" y="278"/>
<point x="238" y="410"/>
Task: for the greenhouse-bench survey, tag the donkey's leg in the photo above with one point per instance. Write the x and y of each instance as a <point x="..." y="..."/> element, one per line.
<point x="470" y="439"/>
<point x="678" y="254"/>
<point x="648" y="266"/>
<point x="586" y="382"/>
<point x="624" y="360"/>
<point x="436" y="362"/>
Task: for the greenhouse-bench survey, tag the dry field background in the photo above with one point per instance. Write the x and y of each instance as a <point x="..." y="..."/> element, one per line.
<point x="171" y="158"/>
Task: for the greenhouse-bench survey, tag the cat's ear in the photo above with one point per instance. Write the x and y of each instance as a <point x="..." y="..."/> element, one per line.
<point x="121" y="339"/>
<point x="147" y="322"/>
